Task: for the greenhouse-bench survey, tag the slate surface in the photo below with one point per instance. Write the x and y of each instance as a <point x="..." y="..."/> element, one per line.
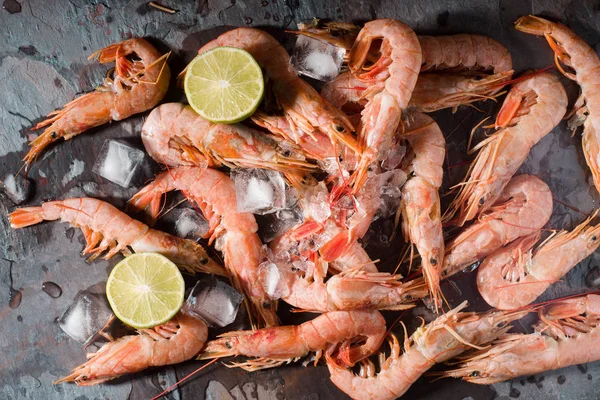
<point x="43" y="64"/>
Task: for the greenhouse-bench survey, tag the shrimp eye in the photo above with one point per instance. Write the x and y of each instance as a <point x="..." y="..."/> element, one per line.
<point x="339" y="128"/>
<point x="204" y="261"/>
<point x="481" y="201"/>
<point x="266" y="305"/>
<point x="294" y="269"/>
<point x="433" y="261"/>
<point x="594" y="238"/>
<point x="287" y="153"/>
<point x="228" y="345"/>
<point x="475" y="373"/>
<point x="53" y="135"/>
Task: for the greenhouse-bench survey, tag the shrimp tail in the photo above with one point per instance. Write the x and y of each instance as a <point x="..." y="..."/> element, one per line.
<point x="26" y="216"/>
<point x="147" y="199"/>
<point x="336" y="247"/>
<point x="533" y="25"/>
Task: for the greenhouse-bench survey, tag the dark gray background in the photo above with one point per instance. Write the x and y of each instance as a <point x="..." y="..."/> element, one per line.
<point x="43" y="64"/>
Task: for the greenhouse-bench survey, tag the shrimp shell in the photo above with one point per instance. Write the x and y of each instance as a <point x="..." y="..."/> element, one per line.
<point x="107" y="228"/>
<point x="213" y="192"/>
<point x="174" y="342"/>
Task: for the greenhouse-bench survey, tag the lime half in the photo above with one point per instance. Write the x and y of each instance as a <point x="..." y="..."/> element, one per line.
<point x="224" y="85"/>
<point x="145" y="290"/>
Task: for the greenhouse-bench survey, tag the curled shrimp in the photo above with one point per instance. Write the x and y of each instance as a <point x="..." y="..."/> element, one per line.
<point x="446" y="337"/>
<point x="272" y="347"/>
<point x="522" y="209"/>
<point x="234" y="233"/>
<point x="173" y="342"/>
<point x="105" y="228"/>
<point x="305" y="110"/>
<point x="174" y="134"/>
<point x="567" y="334"/>
<point x="532" y="108"/>
<point x="390" y="81"/>
<point x="141" y="79"/>
<point x="515" y="276"/>
<point x="422" y="221"/>
<point x="582" y="64"/>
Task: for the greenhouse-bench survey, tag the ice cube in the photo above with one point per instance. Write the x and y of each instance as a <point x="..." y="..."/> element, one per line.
<point x="213" y="301"/>
<point x="259" y="191"/>
<point x="274" y="225"/>
<point x="118" y="162"/>
<point x="191" y="224"/>
<point x="390" y="191"/>
<point x="395" y="155"/>
<point x="86" y="316"/>
<point x="16" y="188"/>
<point x="271" y="280"/>
<point x="315" y="202"/>
<point x="317" y="58"/>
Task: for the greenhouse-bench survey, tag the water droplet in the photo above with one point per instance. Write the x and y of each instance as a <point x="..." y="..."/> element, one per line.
<point x="267" y="15"/>
<point x="592" y="279"/>
<point x="247" y="20"/>
<point x="514" y="393"/>
<point x="276" y="17"/>
<point x="582" y="368"/>
<point x="15" y="298"/>
<point x="589" y="377"/>
<point x="264" y="3"/>
<point x="561" y="379"/>
<point x="12" y="6"/>
<point x="52" y="289"/>
<point x="19" y="318"/>
<point x="69" y="233"/>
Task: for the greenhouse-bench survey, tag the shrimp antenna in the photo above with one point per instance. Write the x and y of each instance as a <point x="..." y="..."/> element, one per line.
<point x="185" y="378"/>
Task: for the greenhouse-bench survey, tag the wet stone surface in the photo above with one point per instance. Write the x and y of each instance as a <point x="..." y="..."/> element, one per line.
<point x="44" y="47"/>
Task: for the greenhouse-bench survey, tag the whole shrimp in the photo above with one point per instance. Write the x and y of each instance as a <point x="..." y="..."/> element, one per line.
<point x="446" y="337"/>
<point x="582" y="64"/>
<point x="422" y="221"/>
<point x="305" y="110"/>
<point x="140" y="81"/>
<point x="532" y="108"/>
<point x="173" y="342"/>
<point x="105" y="228"/>
<point x="390" y="81"/>
<point x="234" y="233"/>
<point x="522" y="209"/>
<point x="515" y="276"/>
<point x="174" y="134"/>
<point x="567" y="334"/>
<point x="272" y="347"/>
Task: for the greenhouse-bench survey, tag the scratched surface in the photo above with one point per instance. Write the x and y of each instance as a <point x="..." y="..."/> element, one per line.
<point x="43" y="63"/>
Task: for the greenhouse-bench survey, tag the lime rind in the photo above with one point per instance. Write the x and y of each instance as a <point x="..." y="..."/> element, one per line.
<point x="204" y="88"/>
<point x="145" y="309"/>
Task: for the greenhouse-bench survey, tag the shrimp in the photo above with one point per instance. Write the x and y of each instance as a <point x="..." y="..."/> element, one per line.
<point x="234" y="233"/>
<point x="532" y="108"/>
<point x="446" y="337"/>
<point x="174" y="134"/>
<point x="141" y="79"/>
<point x="272" y="347"/>
<point x="572" y="51"/>
<point x="305" y="110"/>
<point x="422" y="221"/>
<point x="523" y="208"/>
<point x="390" y="80"/>
<point x="567" y="334"/>
<point x="173" y="342"/>
<point x="515" y="276"/>
<point x="105" y="228"/>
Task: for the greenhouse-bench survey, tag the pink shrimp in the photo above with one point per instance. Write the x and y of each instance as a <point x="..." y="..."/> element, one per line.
<point x="446" y="337"/>
<point x="106" y="228"/>
<point x="422" y="221"/>
<point x="305" y="110"/>
<point x="578" y="56"/>
<point x="174" y="342"/>
<point x="523" y="208"/>
<point x="532" y="108"/>
<point x="174" y="134"/>
<point x="234" y="233"/>
<point x="137" y="86"/>
<point x="272" y="347"/>
<point x="514" y="276"/>
<point x="390" y="81"/>
<point x="567" y="334"/>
